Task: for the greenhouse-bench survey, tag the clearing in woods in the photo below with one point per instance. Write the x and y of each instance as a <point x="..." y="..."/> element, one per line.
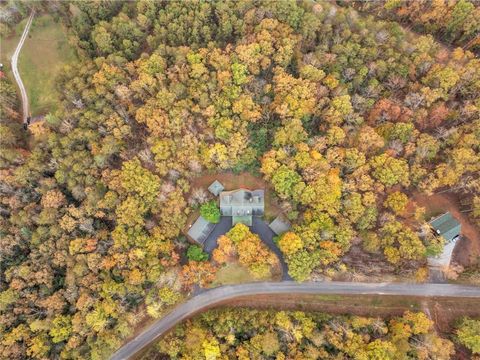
<point x="232" y="273"/>
<point x="45" y="52"/>
<point x="247" y="180"/>
<point x="467" y="250"/>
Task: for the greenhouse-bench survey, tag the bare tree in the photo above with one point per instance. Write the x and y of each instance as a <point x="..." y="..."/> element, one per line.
<point x="195" y="166"/>
<point x="198" y="196"/>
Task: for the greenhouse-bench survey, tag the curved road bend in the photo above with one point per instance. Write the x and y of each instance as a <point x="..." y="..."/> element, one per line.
<point x="230" y="292"/>
<point x="16" y="74"/>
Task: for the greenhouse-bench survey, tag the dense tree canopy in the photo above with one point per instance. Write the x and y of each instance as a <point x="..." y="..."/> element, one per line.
<point x="456" y="22"/>
<point x="255" y="334"/>
<point x="335" y="110"/>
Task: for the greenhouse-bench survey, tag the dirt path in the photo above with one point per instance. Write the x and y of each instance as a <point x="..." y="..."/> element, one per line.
<point x="16" y="74"/>
<point x="467" y="249"/>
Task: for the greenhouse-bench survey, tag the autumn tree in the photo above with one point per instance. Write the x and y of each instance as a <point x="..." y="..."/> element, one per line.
<point x="468" y="334"/>
<point x="396" y="201"/>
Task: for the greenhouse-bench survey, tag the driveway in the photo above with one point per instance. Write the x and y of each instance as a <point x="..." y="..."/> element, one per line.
<point x="262" y="229"/>
<point x="258" y="227"/>
<point x="220" y="229"/>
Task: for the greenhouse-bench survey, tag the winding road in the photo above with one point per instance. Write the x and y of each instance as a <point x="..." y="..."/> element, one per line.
<point x="222" y="294"/>
<point x="16" y="74"/>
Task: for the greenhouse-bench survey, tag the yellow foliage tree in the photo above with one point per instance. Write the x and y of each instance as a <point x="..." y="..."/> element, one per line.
<point x="290" y="243"/>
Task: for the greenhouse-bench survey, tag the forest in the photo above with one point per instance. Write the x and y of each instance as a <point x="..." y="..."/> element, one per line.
<point x="242" y="333"/>
<point x="452" y="22"/>
<point x="345" y="114"/>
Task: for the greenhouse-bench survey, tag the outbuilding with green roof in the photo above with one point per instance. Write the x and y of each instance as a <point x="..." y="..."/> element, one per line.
<point x="446" y="226"/>
<point x="449" y="228"/>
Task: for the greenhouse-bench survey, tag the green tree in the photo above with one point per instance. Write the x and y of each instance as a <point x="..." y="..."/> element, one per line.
<point x="284" y="180"/>
<point x="196" y="253"/>
<point x="468" y="334"/>
<point x="210" y="211"/>
<point x="380" y="350"/>
<point x="61" y="328"/>
<point x="397" y="201"/>
<point x="301" y="265"/>
<point x="390" y="171"/>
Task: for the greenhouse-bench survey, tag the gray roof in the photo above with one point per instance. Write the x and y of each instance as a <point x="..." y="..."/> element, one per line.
<point x="216" y="187"/>
<point x="280" y="225"/>
<point x="447" y="226"/>
<point x="200" y="230"/>
<point x="242" y="219"/>
<point x="242" y="204"/>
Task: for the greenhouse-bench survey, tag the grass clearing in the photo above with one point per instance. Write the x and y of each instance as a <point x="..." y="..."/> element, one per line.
<point x="8" y="45"/>
<point x="43" y="55"/>
<point x="232" y="273"/>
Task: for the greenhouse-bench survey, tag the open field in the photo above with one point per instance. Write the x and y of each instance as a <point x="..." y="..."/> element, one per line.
<point x="234" y="273"/>
<point x="42" y="58"/>
<point x="8" y="45"/>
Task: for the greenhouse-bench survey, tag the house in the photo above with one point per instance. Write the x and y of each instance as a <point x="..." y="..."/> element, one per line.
<point x="242" y="205"/>
<point x="280" y="225"/>
<point x="216" y="188"/>
<point x="200" y="230"/>
<point x="449" y="228"/>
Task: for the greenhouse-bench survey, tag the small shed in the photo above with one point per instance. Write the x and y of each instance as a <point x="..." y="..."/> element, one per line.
<point x="280" y="225"/>
<point x="449" y="228"/>
<point x="446" y="226"/>
<point x="216" y="188"/>
<point x="200" y="230"/>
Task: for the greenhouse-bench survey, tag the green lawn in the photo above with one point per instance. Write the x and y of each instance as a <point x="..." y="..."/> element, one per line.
<point x="7" y="45"/>
<point x="232" y="273"/>
<point x="43" y="55"/>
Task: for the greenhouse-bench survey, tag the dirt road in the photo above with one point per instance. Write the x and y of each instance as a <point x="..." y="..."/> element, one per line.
<point x="16" y="74"/>
<point x="231" y="292"/>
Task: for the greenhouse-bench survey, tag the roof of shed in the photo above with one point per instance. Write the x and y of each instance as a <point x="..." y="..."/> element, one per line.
<point x="279" y="225"/>
<point x="447" y="226"/>
<point x="216" y="187"/>
<point x="200" y="230"/>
